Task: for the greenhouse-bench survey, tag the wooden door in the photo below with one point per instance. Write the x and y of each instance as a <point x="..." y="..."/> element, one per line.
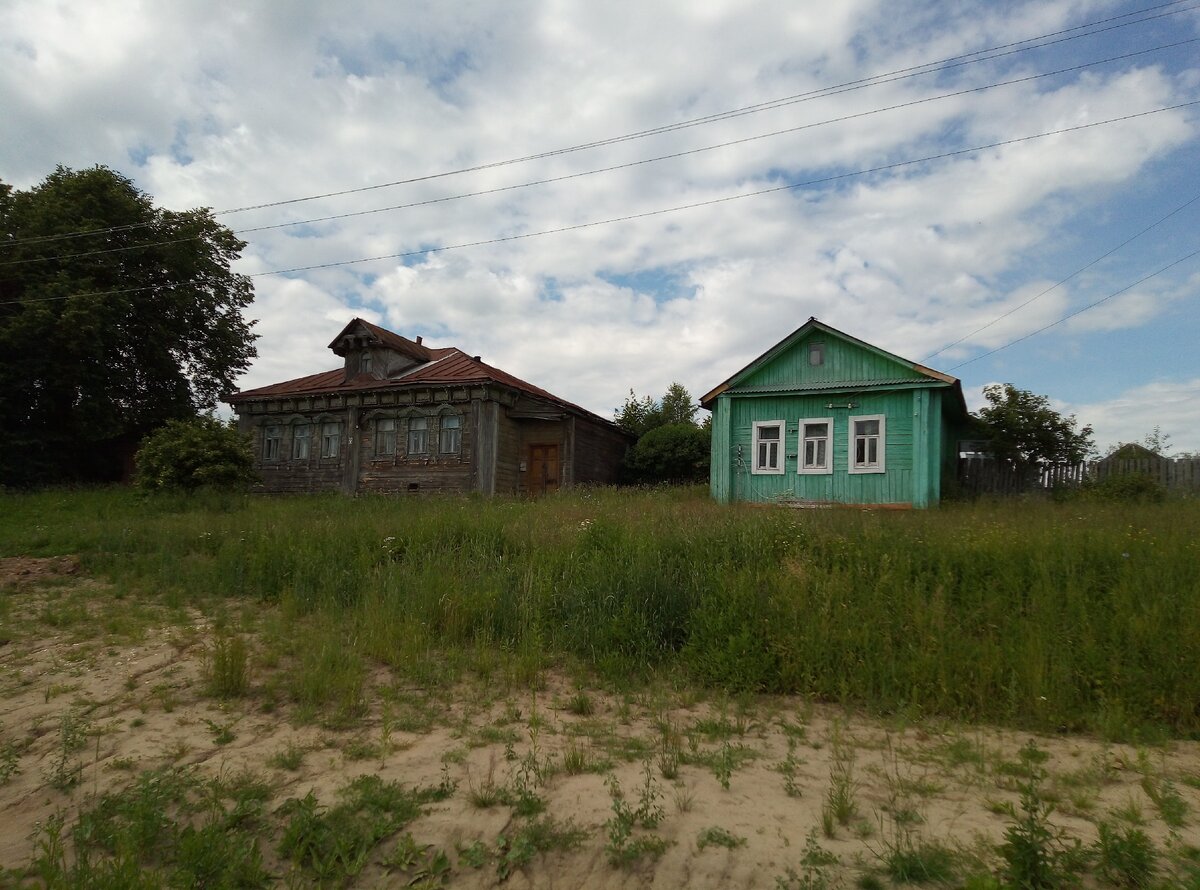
<point x="542" y="470"/>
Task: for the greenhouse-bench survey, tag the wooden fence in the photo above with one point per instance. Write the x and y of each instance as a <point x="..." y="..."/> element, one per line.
<point x="979" y="475"/>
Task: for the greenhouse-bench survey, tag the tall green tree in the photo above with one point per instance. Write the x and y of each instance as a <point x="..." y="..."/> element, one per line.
<point x="105" y="336"/>
<point x="670" y="446"/>
<point x="1024" y="430"/>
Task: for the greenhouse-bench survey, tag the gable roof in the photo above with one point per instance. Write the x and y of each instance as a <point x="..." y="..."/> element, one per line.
<point x="924" y="375"/>
<point x="438" y="366"/>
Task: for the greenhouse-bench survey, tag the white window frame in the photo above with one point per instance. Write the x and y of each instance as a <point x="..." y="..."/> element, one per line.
<point x="801" y="468"/>
<point x="852" y="466"/>
<point x="777" y="470"/>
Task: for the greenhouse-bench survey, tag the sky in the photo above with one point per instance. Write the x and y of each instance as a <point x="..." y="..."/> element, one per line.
<point x="883" y="166"/>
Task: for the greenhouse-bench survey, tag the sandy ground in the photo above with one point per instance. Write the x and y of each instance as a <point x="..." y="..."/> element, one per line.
<point x="139" y="696"/>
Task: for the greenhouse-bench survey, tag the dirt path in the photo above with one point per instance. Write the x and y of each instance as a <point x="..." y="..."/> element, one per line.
<point x="761" y="792"/>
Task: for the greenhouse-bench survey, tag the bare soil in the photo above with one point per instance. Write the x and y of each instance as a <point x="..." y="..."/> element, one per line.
<point x="73" y="655"/>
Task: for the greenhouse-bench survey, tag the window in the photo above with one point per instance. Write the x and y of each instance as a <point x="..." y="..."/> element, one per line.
<point x="418" y="435"/>
<point x="385" y="436"/>
<point x="272" y="437"/>
<point x="331" y="439"/>
<point x="768" y="440"/>
<point x="301" y="441"/>
<point x="816" y="446"/>
<point x="364" y="364"/>
<point x="816" y="353"/>
<point x="450" y="434"/>
<point x="868" y="443"/>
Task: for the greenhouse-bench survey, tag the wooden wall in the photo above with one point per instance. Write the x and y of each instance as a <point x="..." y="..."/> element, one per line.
<point x="599" y="450"/>
<point x="493" y="445"/>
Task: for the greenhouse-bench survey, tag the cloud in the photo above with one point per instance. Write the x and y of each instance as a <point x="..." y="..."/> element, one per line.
<point x="265" y="102"/>
<point x="1172" y="405"/>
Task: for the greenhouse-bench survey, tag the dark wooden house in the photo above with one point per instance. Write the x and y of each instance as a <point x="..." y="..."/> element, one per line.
<point x="400" y="416"/>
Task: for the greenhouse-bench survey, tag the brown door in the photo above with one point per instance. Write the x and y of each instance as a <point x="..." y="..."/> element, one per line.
<point x="541" y="470"/>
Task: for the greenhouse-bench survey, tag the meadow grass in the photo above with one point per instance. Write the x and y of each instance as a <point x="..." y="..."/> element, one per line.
<point x="1054" y="616"/>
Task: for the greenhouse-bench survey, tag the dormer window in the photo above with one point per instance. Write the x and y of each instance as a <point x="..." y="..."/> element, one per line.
<point x="364" y="363"/>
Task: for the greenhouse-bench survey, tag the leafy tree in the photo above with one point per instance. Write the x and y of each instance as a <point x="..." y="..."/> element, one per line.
<point x="677" y="452"/>
<point x="638" y="416"/>
<point x="1023" y="429"/>
<point x="670" y="446"/>
<point x="677" y="406"/>
<point x="106" y="336"/>
<point x="197" y="453"/>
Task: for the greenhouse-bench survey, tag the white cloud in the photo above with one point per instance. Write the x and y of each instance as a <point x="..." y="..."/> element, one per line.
<point x="1172" y="405"/>
<point x="264" y="102"/>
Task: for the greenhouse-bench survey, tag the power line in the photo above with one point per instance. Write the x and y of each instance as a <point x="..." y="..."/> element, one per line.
<point x="708" y="203"/>
<point x="1059" y="284"/>
<point x="626" y="165"/>
<point x="1071" y="315"/>
<point x="948" y="63"/>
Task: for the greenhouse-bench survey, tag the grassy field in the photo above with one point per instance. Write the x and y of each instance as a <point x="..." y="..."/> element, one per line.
<point x="1056" y="617"/>
<point x="602" y="688"/>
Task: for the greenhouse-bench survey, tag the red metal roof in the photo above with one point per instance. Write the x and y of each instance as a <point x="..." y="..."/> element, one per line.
<point x="445" y="366"/>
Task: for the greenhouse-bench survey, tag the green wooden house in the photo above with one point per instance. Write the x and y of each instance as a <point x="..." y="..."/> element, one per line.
<point x="823" y="417"/>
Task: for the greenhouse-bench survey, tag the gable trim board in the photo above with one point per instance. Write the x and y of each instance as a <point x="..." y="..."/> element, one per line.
<point x="907" y="418"/>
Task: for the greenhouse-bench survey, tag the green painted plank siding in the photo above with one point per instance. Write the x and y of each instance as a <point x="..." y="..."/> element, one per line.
<point x="732" y="478"/>
<point x="844" y="362"/>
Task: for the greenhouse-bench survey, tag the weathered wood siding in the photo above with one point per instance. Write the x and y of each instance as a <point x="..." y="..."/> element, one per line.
<point x="896" y="485"/>
<point x="286" y="475"/>
<point x="508" y="454"/>
<point x="406" y="473"/>
<point x="844" y="361"/>
<point x="599" y="450"/>
<point x="545" y="432"/>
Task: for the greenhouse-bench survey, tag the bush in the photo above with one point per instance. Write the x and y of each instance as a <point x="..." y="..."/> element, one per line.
<point x="677" y="452"/>
<point x="1131" y="487"/>
<point x="190" y="454"/>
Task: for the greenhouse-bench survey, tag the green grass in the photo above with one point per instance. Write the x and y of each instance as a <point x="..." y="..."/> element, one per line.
<point x="1054" y="616"/>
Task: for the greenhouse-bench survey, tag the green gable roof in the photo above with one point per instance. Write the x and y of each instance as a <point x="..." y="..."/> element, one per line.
<point x="849" y="363"/>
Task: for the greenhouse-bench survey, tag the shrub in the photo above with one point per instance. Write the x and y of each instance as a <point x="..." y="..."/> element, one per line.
<point x="677" y="452"/>
<point x="1130" y="487"/>
<point x="190" y="454"/>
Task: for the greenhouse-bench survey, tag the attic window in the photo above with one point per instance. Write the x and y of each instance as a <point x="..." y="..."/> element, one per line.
<point x="816" y="353"/>
<point x="364" y="364"/>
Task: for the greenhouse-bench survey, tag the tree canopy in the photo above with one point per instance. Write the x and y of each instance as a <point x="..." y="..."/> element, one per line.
<point x="1023" y="429"/>
<point x="670" y="446"/>
<point x="107" y="335"/>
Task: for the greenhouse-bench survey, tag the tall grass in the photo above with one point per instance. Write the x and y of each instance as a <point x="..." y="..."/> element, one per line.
<point x="1072" y="616"/>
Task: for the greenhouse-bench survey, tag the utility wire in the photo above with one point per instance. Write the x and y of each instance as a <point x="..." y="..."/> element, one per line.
<point x="623" y="166"/>
<point x="649" y="213"/>
<point x="823" y="92"/>
<point x="1059" y="284"/>
<point x="1071" y="315"/>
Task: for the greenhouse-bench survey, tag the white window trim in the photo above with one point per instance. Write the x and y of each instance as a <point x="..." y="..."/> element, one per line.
<point x="882" y="466"/>
<point x="755" y="469"/>
<point x="815" y="471"/>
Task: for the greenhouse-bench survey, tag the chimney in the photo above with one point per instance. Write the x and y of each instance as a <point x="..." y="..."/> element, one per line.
<point x="476" y="358"/>
<point x="418" y="339"/>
